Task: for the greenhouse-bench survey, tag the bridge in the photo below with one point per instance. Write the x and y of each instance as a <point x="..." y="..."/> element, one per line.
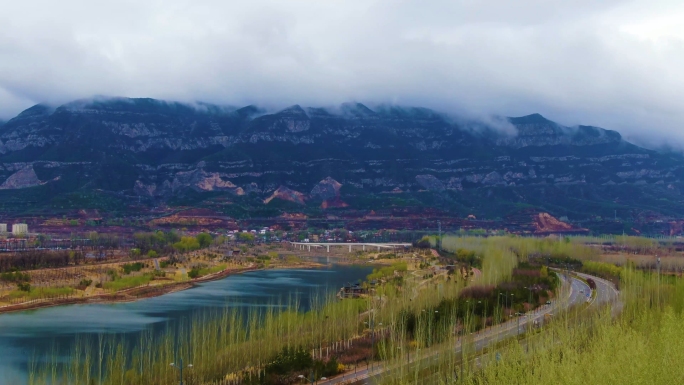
<point x="379" y="246"/>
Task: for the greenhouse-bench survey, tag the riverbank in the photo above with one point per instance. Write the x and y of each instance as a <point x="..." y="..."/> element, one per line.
<point x="31" y="339"/>
<point x="148" y="291"/>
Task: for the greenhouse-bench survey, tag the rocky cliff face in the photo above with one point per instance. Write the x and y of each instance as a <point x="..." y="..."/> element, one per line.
<point x="286" y="194"/>
<point x="159" y="151"/>
<point x="328" y="188"/>
<point x="26" y="177"/>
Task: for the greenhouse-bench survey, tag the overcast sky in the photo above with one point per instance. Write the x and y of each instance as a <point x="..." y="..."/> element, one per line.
<point x="611" y="63"/>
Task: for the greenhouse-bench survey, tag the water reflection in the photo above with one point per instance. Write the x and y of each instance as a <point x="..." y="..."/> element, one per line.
<point x="37" y="332"/>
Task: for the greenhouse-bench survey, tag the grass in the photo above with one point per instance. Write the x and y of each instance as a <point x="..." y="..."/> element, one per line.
<point x="576" y="348"/>
<point x="41" y="293"/>
<point x="212" y="270"/>
<point x="235" y="343"/>
<point x="128" y="282"/>
<point x="639" y="347"/>
<point x="197" y="272"/>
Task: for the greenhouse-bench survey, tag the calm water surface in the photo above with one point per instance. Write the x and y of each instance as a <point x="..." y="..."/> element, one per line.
<point x="35" y="333"/>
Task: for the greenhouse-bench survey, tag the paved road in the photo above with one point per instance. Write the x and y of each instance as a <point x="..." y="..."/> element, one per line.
<point x="605" y="292"/>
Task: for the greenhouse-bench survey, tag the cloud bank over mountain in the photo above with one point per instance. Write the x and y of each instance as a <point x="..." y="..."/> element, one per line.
<point x="614" y="64"/>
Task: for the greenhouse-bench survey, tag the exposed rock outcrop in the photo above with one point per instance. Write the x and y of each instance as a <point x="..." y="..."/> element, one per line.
<point x="545" y="223"/>
<point x="286" y="194"/>
<point x="198" y="180"/>
<point x="164" y="149"/>
<point x="201" y="180"/>
<point x="328" y="188"/>
<point x="23" y="178"/>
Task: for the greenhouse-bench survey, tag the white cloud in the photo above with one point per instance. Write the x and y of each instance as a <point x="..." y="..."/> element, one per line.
<point x="613" y="63"/>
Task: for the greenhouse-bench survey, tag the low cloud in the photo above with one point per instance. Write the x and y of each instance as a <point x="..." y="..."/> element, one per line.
<point x="615" y="64"/>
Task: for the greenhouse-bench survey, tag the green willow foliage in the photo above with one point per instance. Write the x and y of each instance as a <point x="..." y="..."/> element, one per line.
<point x="232" y="344"/>
<point x="601" y="269"/>
<point x="217" y="344"/>
<point x="641" y="346"/>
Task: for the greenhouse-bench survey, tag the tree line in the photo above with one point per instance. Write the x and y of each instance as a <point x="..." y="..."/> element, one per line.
<point x="40" y="259"/>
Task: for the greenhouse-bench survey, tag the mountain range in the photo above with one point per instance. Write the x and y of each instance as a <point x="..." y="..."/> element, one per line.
<point x="120" y="155"/>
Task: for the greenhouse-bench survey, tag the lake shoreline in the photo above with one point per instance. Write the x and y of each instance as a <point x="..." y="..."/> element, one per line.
<point x="143" y="292"/>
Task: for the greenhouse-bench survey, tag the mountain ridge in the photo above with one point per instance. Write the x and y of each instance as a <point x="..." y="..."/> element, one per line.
<point x="119" y="149"/>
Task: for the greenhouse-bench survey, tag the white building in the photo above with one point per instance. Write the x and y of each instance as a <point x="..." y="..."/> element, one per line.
<point x="19" y="229"/>
<point x="3" y="227"/>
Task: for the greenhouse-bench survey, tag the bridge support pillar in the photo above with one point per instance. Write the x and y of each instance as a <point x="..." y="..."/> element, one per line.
<point x="328" y="248"/>
<point x="350" y="248"/>
<point x="364" y="247"/>
<point x="309" y="247"/>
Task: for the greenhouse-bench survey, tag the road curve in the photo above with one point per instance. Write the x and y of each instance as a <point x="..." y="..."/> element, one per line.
<point x="578" y="290"/>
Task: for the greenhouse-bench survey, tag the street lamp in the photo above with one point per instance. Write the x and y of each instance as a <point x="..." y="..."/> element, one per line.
<point x="529" y="289"/>
<point x="180" y="368"/>
<point x="512" y="295"/>
<point x="484" y="319"/>
<point x="371" y="323"/>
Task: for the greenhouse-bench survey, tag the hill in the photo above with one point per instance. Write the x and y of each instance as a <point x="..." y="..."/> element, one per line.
<point x="111" y="153"/>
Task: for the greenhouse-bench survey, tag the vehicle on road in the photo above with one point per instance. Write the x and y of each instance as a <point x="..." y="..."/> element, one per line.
<point x="591" y="283"/>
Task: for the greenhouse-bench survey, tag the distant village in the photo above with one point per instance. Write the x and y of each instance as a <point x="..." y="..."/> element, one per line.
<point x="17" y="229"/>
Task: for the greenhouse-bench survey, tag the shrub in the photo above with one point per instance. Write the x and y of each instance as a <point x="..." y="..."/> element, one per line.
<point x="246" y="237"/>
<point x="469" y="257"/>
<point x="290" y="359"/>
<point x="200" y="271"/>
<point x="128" y="268"/>
<point x="204" y="240"/>
<point x="602" y="269"/>
<point x="24" y="286"/>
<point x="187" y="244"/>
<point x="15" y="276"/>
<point x="85" y="283"/>
<point x="112" y="275"/>
<point x="194" y="273"/>
<point x="387" y="271"/>
<point x="424" y="243"/>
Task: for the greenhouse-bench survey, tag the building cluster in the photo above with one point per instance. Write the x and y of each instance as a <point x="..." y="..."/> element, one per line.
<point x="17" y="229"/>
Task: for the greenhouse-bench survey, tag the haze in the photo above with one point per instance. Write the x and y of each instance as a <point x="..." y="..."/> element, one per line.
<point x="615" y="64"/>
